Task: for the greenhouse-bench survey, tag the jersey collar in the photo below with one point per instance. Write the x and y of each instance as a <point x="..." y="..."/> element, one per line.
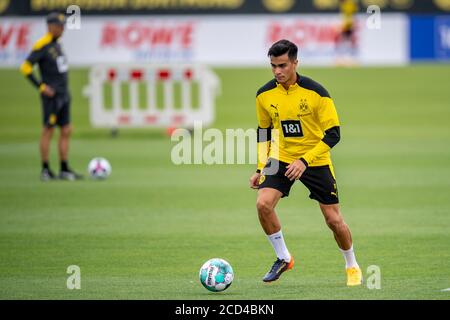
<point x="292" y="87"/>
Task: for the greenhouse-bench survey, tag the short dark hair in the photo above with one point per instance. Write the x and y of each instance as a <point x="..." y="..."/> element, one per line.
<point x="281" y="47"/>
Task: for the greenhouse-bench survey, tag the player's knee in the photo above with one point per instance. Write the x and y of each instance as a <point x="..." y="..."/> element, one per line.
<point x="264" y="206"/>
<point x="47" y="131"/>
<point x="335" y="222"/>
<point x="66" y="131"/>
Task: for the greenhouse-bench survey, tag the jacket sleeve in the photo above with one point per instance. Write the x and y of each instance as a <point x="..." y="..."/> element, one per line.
<point x="27" y="67"/>
<point x="329" y="123"/>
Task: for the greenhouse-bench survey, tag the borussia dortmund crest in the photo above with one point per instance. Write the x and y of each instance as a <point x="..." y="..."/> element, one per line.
<point x="53" y="52"/>
<point x="303" y="105"/>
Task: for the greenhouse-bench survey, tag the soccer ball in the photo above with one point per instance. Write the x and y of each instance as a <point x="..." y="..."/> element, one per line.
<point x="99" y="168"/>
<point x="216" y="275"/>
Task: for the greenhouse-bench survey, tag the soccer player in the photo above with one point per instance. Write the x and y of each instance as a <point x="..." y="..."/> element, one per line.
<point x="55" y="96"/>
<point x="297" y="127"/>
<point x="345" y="39"/>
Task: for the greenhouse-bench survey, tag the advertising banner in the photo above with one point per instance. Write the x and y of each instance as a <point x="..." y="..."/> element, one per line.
<point x="430" y="38"/>
<point x="213" y="40"/>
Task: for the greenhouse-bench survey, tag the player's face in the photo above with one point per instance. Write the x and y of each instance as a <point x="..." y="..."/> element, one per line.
<point x="56" y="29"/>
<point x="284" y="69"/>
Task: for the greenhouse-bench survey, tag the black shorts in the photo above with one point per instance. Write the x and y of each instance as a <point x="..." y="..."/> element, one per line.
<point x="319" y="180"/>
<point x="56" y="110"/>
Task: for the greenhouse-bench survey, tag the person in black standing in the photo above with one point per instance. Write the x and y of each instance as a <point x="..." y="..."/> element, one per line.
<point x="55" y="95"/>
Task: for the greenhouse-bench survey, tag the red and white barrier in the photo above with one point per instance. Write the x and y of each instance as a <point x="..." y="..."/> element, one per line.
<point x="147" y="113"/>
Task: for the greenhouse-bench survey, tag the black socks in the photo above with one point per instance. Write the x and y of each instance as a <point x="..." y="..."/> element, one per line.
<point x="64" y="166"/>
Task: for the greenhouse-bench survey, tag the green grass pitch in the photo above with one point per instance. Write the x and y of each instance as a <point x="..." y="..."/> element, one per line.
<point x="145" y="232"/>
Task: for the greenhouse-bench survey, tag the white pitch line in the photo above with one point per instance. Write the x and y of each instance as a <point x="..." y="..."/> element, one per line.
<point x="448" y="289"/>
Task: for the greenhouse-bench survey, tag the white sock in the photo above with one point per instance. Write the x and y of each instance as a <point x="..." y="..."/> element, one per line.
<point x="279" y="246"/>
<point x="350" y="259"/>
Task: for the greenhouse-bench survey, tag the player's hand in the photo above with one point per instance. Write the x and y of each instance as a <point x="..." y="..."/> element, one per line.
<point x="295" y="170"/>
<point x="48" y="91"/>
<point x="254" y="180"/>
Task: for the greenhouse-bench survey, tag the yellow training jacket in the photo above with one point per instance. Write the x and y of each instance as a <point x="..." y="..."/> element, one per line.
<point x="297" y="120"/>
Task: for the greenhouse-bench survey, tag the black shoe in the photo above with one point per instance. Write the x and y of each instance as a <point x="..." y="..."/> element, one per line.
<point x="70" y="175"/>
<point x="277" y="269"/>
<point x="47" y="174"/>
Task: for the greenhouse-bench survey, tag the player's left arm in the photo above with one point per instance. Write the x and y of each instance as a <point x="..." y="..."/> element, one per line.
<point x="329" y="123"/>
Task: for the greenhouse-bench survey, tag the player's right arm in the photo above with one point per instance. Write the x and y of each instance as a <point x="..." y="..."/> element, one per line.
<point x="263" y="139"/>
<point x="264" y="133"/>
<point x="27" y="66"/>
